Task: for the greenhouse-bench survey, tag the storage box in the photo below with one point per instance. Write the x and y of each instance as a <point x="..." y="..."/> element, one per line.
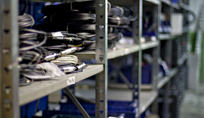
<point x="177" y="23"/>
<point x="115" y="108"/>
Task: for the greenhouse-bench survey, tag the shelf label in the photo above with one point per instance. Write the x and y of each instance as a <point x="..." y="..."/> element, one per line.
<point x="71" y="80"/>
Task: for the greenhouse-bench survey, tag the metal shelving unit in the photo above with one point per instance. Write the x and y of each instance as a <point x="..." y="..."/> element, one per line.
<point x="147" y="98"/>
<point x="167" y="78"/>
<point x="12" y="96"/>
<point x="42" y="88"/>
<point x="155" y="2"/>
<point x="149" y="45"/>
<point x="165" y="85"/>
<point x="165" y="36"/>
<point x="119" y="51"/>
<point x="176" y="6"/>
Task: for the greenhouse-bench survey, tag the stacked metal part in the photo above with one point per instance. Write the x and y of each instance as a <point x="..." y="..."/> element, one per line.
<point x="30" y="48"/>
<point x="38" y="58"/>
<point x="79" y="18"/>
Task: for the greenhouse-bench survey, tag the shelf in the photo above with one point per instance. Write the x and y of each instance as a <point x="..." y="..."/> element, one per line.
<point x="183" y="59"/>
<point x="42" y="88"/>
<point x="122" y="2"/>
<point x="150" y="2"/>
<point x="91" y="84"/>
<point x="175" y="6"/>
<point x="124" y="86"/>
<point x="146" y="99"/>
<point x="131" y="2"/>
<point x="117" y="95"/>
<point x="121" y="50"/>
<point x="185" y="7"/>
<point x="166" y="79"/>
<point x="165" y="36"/>
<point x="149" y="45"/>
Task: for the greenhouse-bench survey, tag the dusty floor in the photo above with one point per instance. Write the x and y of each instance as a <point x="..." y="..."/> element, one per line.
<point x="193" y="104"/>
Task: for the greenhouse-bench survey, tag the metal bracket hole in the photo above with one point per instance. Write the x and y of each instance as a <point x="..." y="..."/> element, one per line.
<point x="6" y="11"/>
<point x="6" y="31"/>
<point x="101" y="5"/>
<point x="101" y="16"/>
<point x="6" y="69"/>
<point x="7" y="89"/>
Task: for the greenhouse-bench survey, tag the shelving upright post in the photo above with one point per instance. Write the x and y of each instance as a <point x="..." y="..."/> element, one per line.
<point x="9" y="72"/>
<point x="137" y="57"/>
<point x="156" y="54"/>
<point x="101" y="57"/>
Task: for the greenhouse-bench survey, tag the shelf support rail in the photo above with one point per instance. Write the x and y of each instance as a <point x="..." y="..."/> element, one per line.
<point x="9" y="72"/>
<point x="137" y="57"/>
<point x="121" y="75"/>
<point x="101" y="58"/>
<point x="76" y="102"/>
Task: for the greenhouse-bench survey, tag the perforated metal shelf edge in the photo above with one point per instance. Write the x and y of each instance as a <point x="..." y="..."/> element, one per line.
<point x="166" y="79"/>
<point x="42" y="88"/>
<point x="120" y="51"/>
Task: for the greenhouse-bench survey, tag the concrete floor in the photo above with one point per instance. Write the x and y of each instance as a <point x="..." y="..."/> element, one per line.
<point x="193" y="104"/>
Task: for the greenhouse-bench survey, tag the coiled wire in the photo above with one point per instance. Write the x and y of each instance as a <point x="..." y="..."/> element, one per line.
<point x="66" y="60"/>
<point x="25" y="21"/>
<point x="31" y="41"/>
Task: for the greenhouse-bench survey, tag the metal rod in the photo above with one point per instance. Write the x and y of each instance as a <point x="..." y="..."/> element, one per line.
<point x="101" y="58"/>
<point x="76" y="102"/>
<point x="9" y="80"/>
<point x="86" y="100"/>
<point x="137" y="58"/>
<point x="122" y="76"/>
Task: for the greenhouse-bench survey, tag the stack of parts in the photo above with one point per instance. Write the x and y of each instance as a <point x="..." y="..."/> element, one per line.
<point x="79" y="18"/>
<point x="40" y="61"/>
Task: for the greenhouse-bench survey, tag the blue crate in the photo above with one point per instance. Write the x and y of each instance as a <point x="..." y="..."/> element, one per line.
<point x="68" y="114"/>
<point x="37" y="11"/>
<point x="115" y="108"/>
<point x="146" y="74"/>
<point x="28" y="110"/>
<point x="33" y="9"/>
<point x="175" y="1"/>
